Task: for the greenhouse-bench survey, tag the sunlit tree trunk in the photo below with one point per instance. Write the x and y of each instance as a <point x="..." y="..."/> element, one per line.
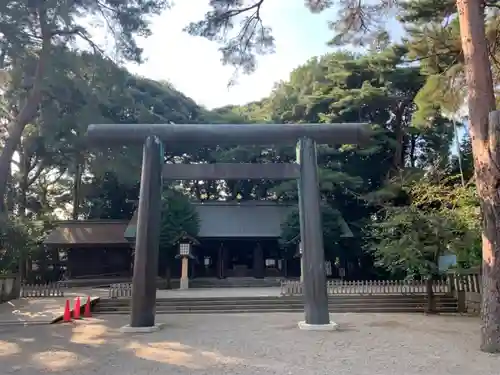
<point x="22" y="203"/>
<point x="76" y="189"/>
<point x="29" y="108"/>
<point x="486" y="153"/>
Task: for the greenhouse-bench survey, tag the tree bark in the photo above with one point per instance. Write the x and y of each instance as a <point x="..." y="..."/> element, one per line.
<point x="76" y="188"/>
<point x="486" y="152"/>
<point x="399" y="130"/>
<point x="23" y="189"/>
<point x="28" y="111"/>
<point x="413" y="149"/>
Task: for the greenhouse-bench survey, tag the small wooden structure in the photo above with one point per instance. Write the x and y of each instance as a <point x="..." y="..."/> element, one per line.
<point x="92" y="248"/>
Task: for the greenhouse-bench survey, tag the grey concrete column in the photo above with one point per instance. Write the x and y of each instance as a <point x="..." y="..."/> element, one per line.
<point x="147" y="236"/>
<point x="313" y="257"/>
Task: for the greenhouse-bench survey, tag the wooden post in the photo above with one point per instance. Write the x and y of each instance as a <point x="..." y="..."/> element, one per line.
<point x="184" y="273"/>
<point x="258" y="262"/>
<point x="461" y="303"/>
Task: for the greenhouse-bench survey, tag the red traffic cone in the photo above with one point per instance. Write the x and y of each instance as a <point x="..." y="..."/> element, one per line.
<point x="67" y="312"/>
<point x="76" y="310"/>
<point x="87" y="313"/>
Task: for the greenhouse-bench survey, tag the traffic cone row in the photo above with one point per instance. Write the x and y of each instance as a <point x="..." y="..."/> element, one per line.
<point x="76" y="311"/>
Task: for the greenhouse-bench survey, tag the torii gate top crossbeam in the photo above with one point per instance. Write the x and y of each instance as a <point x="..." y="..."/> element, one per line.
<point x="229" y="134"/>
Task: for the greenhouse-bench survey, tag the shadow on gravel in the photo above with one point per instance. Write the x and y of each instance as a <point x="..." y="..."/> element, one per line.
<point x="243" y="344"/>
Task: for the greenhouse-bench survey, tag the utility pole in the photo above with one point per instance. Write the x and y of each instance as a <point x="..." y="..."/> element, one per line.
<point x="484" y="135"/>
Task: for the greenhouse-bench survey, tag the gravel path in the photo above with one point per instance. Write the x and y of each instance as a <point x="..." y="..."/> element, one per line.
<point x="251" y="344"/>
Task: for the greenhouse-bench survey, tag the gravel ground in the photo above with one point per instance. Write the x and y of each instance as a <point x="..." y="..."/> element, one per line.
<point x="251" y="344"/>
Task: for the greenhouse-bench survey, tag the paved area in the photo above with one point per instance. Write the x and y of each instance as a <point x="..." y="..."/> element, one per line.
<point x="219" y="292"/>
<point x="203" y="292"/>
<point x="188" y="293"/>
<point x="39" y="310"/>
<point x="374" y="344"/>
<point x="44" y="310"/>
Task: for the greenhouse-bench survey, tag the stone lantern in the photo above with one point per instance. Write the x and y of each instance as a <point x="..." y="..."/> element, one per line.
<point x="185" y="253"/>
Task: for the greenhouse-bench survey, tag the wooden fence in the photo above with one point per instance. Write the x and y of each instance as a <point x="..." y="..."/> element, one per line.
<point x="120" y="290"/>
<point x="391" y="287"/>
<point x="470" y="283"/>
<point x="42" y="290"/>
<point x="467" y="290"/>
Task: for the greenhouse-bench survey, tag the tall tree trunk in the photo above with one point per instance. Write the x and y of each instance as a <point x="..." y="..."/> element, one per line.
<point x="413" y="149"/>
<point x="486" y="153"/>
<point x="76" y="189"/>
<point x="399" y="129"/>
<point x="29" y="109"/>
<point x="23" y="187"/>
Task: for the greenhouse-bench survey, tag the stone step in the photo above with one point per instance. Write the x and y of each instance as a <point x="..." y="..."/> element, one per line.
<point x="234" y="283"/>
<point x="105" y="304"/>
<point x="294" y="309"/>
<point x="270" y="307"/>
<point x="381" y="303"/>
<point x="193" y="285"/>
<point x="278" y="302"/>
<point x="283" y="300"/>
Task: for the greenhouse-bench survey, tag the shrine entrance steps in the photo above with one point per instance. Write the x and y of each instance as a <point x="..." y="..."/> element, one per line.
<point x="235" y="282"/>
<point x="269" y="304"/>
<point x="200" y="282"/>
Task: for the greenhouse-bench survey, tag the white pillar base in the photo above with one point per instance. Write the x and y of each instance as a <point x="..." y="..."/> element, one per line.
<point x="184" y="284"/>
<point x="332" y="326"/>
<point x="129" y="329"/>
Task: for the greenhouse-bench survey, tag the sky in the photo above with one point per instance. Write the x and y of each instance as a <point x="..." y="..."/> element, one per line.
<point x="193" y="64"/>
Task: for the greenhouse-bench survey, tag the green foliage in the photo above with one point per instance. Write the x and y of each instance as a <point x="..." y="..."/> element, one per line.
<point x="436" y="218"/>
<point x="411" y="240"/>
<point x="402" y="90"/>
<point x="332" y="232"/>
<point x="460" y="205"/>
<point x="178" y="219"/>
<point x="107" y="198"/>
<point x="23" y="22"/>
<point x="242" y="34"/>
<point x="238" y="49"/>
<point x="19" y="238"/>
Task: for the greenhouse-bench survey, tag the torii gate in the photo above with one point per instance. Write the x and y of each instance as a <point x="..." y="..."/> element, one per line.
<point x="154" y="136"/>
